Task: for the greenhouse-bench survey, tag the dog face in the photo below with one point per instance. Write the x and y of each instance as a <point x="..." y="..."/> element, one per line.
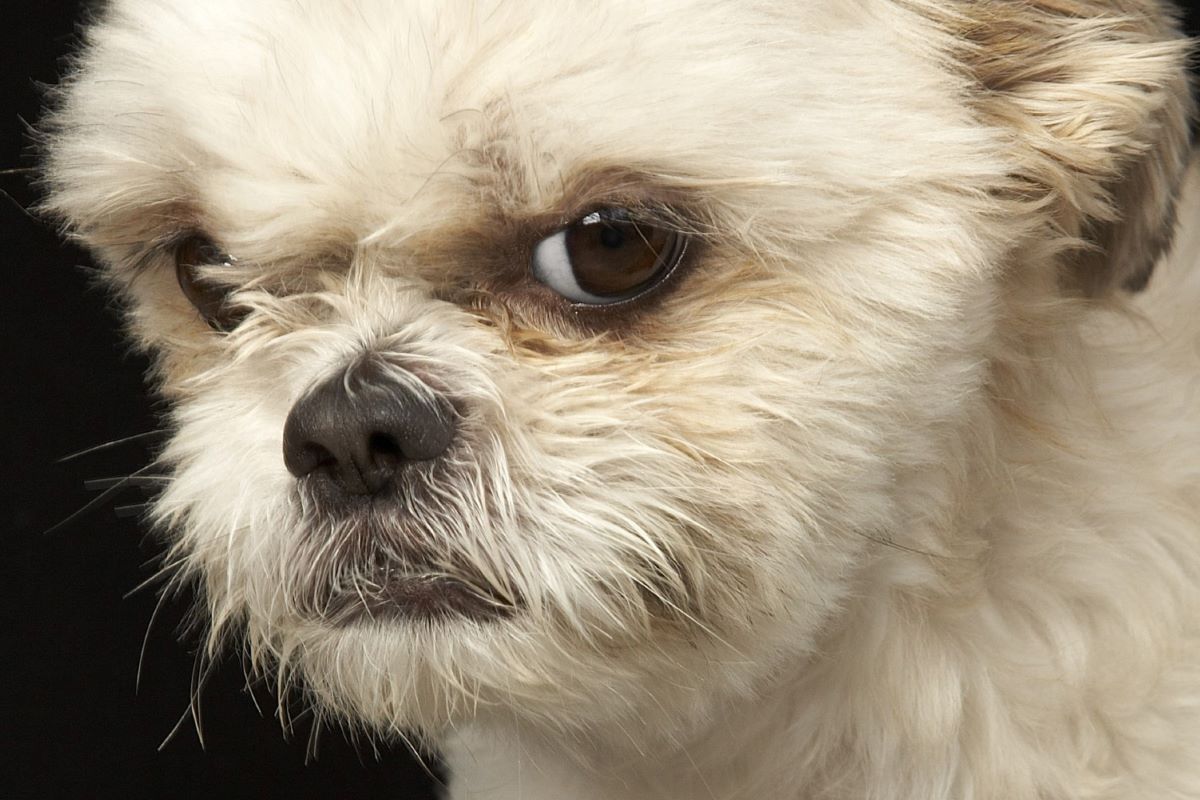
<point x="569" y="361"/>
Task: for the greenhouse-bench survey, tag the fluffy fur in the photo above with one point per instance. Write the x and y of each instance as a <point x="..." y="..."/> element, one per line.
<point x="894" y="494"/>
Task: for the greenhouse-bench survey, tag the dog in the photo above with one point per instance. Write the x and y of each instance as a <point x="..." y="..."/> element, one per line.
<point x="676" y="400"/>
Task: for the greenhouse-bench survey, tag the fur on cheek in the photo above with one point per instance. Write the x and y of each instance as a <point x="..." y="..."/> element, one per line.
<point x="631" y="521"/>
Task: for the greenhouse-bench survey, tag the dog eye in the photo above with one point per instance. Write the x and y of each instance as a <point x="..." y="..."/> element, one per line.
<point x="210" y="298"/>
<point x="607" y="257"/>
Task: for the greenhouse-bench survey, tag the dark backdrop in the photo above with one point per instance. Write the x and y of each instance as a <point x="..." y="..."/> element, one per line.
<point x="73" y="721"/>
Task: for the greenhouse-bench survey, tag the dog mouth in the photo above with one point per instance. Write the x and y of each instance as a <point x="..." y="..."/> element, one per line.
<point x="416" y="597"/>
<point x="380" y="564"/>
<point x="391" y="595"/>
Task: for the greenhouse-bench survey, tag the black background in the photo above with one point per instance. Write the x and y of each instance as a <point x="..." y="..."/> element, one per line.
<point x="73" y="724"/>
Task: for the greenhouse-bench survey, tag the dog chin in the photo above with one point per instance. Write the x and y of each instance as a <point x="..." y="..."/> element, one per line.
<point x="375" y="559"/>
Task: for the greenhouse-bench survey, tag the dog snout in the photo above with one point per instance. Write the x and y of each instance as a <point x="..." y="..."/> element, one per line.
<point x="355" y="431"/>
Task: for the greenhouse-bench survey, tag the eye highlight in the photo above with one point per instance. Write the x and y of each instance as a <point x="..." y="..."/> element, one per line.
<point x="208" y="297"/>
<point x="607" y="257"/>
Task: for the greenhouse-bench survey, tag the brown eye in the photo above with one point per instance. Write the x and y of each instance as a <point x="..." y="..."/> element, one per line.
<point x="210" y="298"/>
<point x="606" y="257"/>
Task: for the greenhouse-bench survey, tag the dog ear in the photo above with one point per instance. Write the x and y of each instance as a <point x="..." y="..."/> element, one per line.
<point x="1097" y="97"/>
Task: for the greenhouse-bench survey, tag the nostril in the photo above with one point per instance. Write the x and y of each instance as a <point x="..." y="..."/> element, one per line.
<point x="317" y="456"/>
<point x="384" y="448"/>
<point x="304" y="457"/>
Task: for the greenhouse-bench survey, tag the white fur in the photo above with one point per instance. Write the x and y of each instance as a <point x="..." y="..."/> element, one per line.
<point x="891" y="496"/>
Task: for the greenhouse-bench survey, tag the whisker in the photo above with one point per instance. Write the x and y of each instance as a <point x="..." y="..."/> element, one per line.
<point x="175" y="729"/>
<point x="202" y="670"/>
<point x="114" y="443"/>
<point x="99" y="499"/>
<point x="131" y="511"/>
<point x="137" y="683"/>
<point x="173" y="577"/>
<point x="140" y="482"/>
<point x="170" y="571"/>
<point x="20" y="207"/>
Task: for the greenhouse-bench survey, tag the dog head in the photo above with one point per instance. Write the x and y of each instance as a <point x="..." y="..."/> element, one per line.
<point x="570" y="361"/>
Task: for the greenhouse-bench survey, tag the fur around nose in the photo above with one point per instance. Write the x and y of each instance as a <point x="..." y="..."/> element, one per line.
<point x="357" y="429"/>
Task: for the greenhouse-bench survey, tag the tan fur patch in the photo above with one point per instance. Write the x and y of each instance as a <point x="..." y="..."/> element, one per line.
<point x="1099" y="101"/>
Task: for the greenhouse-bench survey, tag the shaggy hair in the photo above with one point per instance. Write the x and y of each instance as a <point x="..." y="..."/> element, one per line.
<point x="892" y="492"/>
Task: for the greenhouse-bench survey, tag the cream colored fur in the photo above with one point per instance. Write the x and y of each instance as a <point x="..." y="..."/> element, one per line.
<point x="895" y="494"/>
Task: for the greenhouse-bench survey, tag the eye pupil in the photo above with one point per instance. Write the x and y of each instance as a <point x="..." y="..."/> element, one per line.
<point x="611" y="237"/>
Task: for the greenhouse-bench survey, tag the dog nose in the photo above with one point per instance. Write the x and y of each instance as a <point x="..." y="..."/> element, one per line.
<point x="357" y="429"/>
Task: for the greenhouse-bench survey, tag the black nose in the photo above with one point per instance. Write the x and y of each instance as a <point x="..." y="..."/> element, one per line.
<point x="353" y="432"/>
